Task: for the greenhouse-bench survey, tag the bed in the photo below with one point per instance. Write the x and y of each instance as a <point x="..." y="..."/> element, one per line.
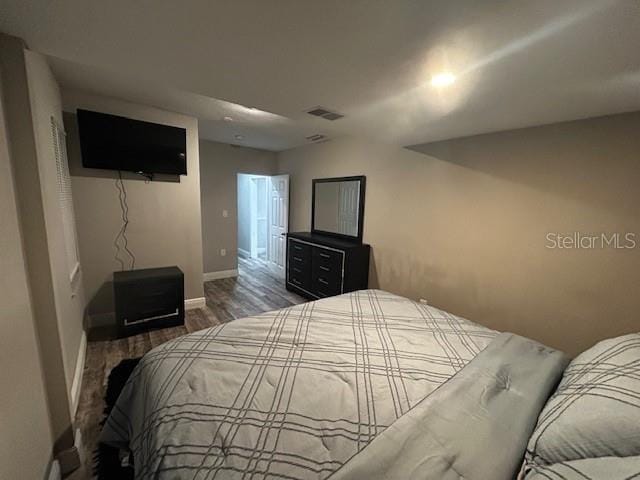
<point x="363" y="385"/>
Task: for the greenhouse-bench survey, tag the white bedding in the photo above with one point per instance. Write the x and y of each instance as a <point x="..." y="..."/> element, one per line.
<point x="293" y="393"/>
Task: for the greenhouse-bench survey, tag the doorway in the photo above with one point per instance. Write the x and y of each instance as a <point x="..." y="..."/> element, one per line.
<point x="263" y="220"/>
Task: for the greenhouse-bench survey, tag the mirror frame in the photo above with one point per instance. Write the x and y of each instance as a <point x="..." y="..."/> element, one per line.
<point x="363" y="182"/>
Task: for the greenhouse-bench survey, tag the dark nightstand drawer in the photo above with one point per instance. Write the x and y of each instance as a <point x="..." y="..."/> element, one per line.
<point x="149" y="298"/>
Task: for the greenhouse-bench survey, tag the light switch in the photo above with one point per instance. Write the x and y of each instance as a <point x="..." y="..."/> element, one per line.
<point x="225" y="213"/>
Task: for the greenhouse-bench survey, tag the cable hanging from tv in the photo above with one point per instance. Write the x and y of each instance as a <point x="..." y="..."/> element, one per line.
<point x="121" y="241"/>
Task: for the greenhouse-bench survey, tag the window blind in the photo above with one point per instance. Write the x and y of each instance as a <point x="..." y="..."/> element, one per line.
<point x="65" y="198"/>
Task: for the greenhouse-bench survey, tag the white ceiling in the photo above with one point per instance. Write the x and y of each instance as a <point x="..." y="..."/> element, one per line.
<point x="260" y="129"/>
<point x="518" y="63"/>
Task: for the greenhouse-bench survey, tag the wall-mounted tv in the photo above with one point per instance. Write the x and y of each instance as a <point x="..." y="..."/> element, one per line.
<point x="118" y="143"/>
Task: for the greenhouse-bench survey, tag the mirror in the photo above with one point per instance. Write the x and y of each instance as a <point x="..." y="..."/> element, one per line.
<point x="338" y="206"/>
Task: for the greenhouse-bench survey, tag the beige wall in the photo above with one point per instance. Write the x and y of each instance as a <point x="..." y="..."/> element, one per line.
<point x="219" y="165"/>
<point x="466" y="227"/>
<point x="70" y="300"/>
<point x="21" y="82"/>
<point x="26" y="440"/>
<point x="164" y="214"/>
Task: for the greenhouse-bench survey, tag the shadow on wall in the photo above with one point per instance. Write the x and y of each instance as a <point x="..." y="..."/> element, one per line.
<point x="523" y="156"/>
<point x="100" y="319"/>
<point x="420" y="278"/>
<point x="373" y="271"/>
<point x="102" y="303"/>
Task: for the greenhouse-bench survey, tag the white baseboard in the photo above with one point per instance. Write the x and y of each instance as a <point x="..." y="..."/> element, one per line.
<point x="77" y="375"/>
<point x="54" y="471"/>
<point x="191" y="303"/>
<point x="221" y="274"/>
<point x="78" y="442"/>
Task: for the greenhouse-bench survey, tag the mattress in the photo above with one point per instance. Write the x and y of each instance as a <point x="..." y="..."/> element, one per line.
<point x="302" y="392"/>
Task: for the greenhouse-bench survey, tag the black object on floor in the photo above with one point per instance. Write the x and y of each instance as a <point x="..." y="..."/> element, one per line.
<point x="107" y="465"/>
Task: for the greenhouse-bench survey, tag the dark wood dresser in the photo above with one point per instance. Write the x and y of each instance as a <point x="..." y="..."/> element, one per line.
<point x="321" y="266"/>
<point x="148" y="298"/>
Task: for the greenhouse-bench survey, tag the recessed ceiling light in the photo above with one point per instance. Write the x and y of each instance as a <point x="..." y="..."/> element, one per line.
<point x="443" y="79"/>
<point x="239" y="137"/>
<point x="227" y="119"/>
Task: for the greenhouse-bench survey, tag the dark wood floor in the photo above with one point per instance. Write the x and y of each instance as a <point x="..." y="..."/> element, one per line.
<point x="254" y="291"/>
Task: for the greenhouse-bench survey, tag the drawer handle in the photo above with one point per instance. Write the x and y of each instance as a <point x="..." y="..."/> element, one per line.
<point x="326" y="269"/>
<point x="128" y="322"/>
<point x="296" y="281"/>
<point x="297" y="259"/>
<point x="297" y="247"/>
<point x="297" y="270"/>
<point x="325" y="255"/>
<point x="322" y="280"/>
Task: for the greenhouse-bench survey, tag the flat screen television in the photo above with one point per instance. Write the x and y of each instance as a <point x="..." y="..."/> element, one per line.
<point x="118" y="143"/>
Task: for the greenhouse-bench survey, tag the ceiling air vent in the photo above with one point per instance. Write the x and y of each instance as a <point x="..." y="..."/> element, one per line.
<point x="317" y="138"/>
<point x="324" y="113"/>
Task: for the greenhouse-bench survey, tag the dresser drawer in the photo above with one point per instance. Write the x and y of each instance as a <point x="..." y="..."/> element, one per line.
<point x="325" y="287"/>
<point x="299" y="253"/>
<point x="320" y="266"/>
<point x="326" y="271"/>
<point x="300" y="281"/>
<point x="329" y="259"/>
<point x="332" y="270"/>
<point x="300" y="274"/>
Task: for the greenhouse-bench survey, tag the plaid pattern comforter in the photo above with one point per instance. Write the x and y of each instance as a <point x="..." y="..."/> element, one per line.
<point x="293" y="393"/>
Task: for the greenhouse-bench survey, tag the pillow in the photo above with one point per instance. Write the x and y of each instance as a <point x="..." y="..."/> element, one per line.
<point x="611" y="468"/>
<point x="595" y="411"/>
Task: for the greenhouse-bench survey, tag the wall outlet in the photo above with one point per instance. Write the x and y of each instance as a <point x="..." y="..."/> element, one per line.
<point x="223" y="252"/>
<point x="424" y="301"/>
<point x="225" y="213"/>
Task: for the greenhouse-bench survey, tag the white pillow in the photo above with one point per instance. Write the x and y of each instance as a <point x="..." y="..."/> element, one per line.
<point x="595" y="411"/>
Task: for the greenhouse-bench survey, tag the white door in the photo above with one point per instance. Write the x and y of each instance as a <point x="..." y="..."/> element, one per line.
<point x="348" y="197"/>
<point x="278" y="222"/>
